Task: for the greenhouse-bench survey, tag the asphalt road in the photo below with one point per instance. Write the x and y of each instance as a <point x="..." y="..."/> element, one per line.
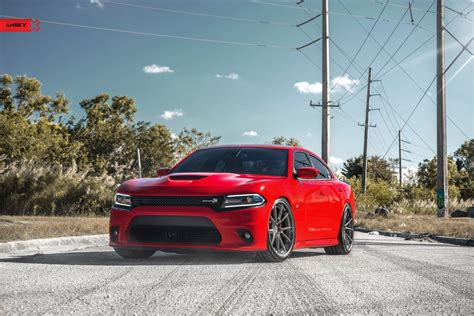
<point x="382" y="274"/>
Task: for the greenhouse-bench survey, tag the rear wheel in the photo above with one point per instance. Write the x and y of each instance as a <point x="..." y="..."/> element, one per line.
<point x="345" y="236"/>
<point x="280" y="234"/>
<point x="134" y="253"/>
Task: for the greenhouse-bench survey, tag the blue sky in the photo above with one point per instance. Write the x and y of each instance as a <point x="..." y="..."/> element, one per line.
<point x="249" y="93"/>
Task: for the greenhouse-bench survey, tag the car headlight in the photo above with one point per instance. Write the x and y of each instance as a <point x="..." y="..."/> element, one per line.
<point x="123" y="200"/>
<point x="243" y="200"/>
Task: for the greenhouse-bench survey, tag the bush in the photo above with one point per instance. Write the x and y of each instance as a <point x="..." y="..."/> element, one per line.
<point x="379" y="194"/>
<point x="27" y="189"/>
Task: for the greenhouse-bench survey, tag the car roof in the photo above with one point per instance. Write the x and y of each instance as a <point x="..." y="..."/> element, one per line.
<point x="269" y="146"/>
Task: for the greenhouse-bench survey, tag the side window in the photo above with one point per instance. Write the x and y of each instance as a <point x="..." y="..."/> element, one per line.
<point x="323" y="171"/>
<point x="300" y="160"/>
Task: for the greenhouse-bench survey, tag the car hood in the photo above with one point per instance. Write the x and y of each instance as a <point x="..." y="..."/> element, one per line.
<point x="197" y="184"/>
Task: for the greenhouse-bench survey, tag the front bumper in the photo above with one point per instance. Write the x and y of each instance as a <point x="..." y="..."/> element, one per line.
<point x="230" y="225"/>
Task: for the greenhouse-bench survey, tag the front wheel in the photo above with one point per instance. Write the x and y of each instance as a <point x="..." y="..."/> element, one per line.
<point x="134" y="253"/>
<point x="280" y="234"/>
<point x="345" y="236"/>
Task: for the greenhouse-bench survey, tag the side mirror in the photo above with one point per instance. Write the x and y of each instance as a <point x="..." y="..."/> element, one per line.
<point x="307" y="173"/>
<point x="163" y="171"/>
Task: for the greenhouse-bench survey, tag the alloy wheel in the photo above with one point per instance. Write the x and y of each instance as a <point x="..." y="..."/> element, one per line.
<point x="348" y="230"/>
<point x="281" y="231"/>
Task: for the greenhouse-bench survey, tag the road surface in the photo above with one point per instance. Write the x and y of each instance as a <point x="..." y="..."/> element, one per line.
<point x="382" y="274"/>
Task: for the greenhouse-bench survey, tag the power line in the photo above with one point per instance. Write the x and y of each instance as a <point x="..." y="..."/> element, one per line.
<point x="387" y="126"/>
<point x="346" y="55"/>
<point x="345" y="114"/>
<point x="158" y="35"/>
<point x="363" y="43"/>
<point x="237" y="19"/>
<point x="311" y="38"/>
<point x="310" y="60"/>
<point x="382" y="47"/>
<point x="427" y="146"/>
<point x="399" y="65"/>
<point x="370" y="35"/>
<point x="420" y="87"/>
<point x="331" y="12"/>
<point x="392" y="110"/>
<point x="404" y="7"/>
<point x="412" y="112"/>
<point x="429" y="97"/>
<point x="417" y="48"/>
<point x="404" y="41"/>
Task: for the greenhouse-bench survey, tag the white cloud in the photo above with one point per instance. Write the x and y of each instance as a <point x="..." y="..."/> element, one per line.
<point x="343" y="82"/>
<point x="250" y="134"/>
<point x="306" y="87"/>
<point x="338" y="83"/>
<point x="173" y="135"/>
<point x="157" y="69"/>
<point x="168" y="115"/>
<point x="308" y="134"/>
<point x="98" y="2"/>
<point x="232" y="76"/>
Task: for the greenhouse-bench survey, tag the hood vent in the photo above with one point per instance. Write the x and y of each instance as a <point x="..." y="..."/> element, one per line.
<point x="187" y="177"/>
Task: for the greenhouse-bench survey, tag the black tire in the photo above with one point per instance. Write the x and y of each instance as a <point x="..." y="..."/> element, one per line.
<point x="134" y="253"/>
<point x="345" y="235"/>
<point x="281" y="233"/>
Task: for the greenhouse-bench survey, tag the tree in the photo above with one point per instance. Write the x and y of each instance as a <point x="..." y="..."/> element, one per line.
<point x="156" y="147"/>
<point x="464" y="157"/>
<point x="281" y="140"/>
<point x="30" y="123"/>
<point x="465" y="165"/>
<point x="107" y="132"/>
<point x="378" y="168"/>
<point x="190" y="140"/>
<point x="426" y="177"/>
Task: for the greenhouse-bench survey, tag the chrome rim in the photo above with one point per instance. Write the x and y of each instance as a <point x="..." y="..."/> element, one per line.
<point x="281" y="231"/>
<point x="348" y="229"/>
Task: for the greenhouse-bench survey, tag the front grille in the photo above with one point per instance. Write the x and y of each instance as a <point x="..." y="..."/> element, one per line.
<point x="209" y="201"/>
<point x="174" y="229"/>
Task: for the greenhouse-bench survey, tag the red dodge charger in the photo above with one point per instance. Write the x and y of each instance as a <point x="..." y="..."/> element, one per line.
<point x="261" y="198"/>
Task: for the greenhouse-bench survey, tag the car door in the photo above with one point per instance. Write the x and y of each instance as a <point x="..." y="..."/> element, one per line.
<point x="312" y="198"/>
<point x="328" y="213"/>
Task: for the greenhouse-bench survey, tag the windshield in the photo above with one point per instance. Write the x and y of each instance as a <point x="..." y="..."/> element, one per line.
<point x="262" y="161"/>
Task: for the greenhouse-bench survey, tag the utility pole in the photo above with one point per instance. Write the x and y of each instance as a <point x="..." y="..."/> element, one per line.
<point x="325" y="104"/>
<point x="325" y="134"/>
<point x="441" y="160"/>
<point x="366" y="132"/>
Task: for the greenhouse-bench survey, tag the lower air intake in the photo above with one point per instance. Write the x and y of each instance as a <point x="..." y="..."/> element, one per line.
<point x="174" y="229"/>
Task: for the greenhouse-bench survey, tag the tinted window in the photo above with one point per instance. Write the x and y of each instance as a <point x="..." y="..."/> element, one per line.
<point x="300" y="160"/>
<point x="323" y="171"/>
<point x="264" y="161"/>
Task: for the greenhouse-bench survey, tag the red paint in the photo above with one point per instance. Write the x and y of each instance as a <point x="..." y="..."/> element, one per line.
<point x="316" y="204"/>
<point x="307" y="173"/>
